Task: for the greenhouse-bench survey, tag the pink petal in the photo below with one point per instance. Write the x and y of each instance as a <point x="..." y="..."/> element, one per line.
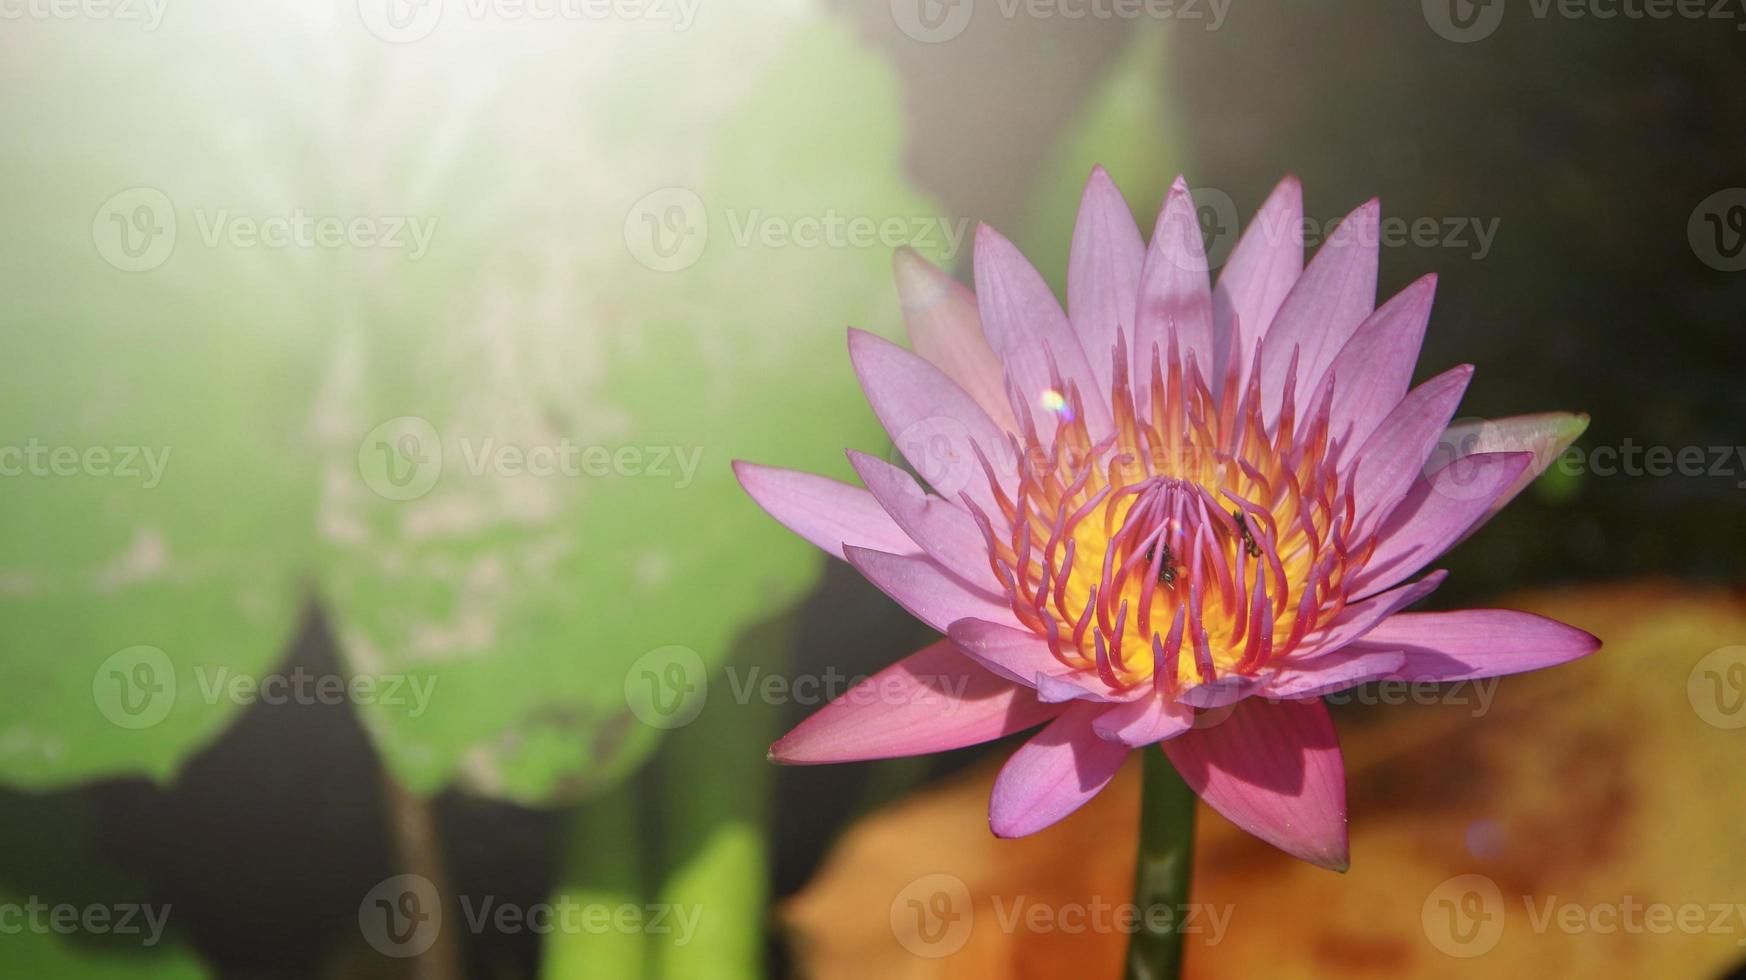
<point x="1394" y="455"/>
<point x="1360" y="618"/>
<point x="1056" y="772"/>
<point x="929" y="592"/>
<point x="1023" y="657"/>
<point x="1330" y="672"/>
<point x="1061" y="688"/>
<point x="1218" y="693"/>
<point x="1103" y="273"/>
<point x="1546" y="435"/>
<point x="1143" y="722"/>
<point x="1375" y="369"/>
<point x="939" y="314"/>
<point x="1473" y="643"/>
<point x="1027" y="329"/>
<point x="1438" y="512"/>
<point x="945" y="531"/>
<point x="1333" y="296"/>
<point x="930" y="419"/>
<point x="930" y="701"/>
<point x="1175" y="292"/>
<point x="823" y="511"/>
<point x="1263" y="266"/>
<point x="1273" y="768"/>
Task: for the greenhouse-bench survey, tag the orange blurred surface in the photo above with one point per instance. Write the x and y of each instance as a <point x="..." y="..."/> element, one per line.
<point x="1580" y="821"/>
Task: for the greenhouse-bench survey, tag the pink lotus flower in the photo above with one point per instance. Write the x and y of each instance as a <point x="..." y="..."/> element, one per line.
<point x="1177" y="514"/>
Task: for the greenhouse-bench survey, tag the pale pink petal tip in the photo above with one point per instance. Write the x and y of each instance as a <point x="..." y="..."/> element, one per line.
<point x="1468" y="644"/>
<point x="827" y="513"/>
<point x="931" y="701"/>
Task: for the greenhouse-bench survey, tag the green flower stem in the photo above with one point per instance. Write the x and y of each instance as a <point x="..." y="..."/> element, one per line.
<point x="716" y="784"/>
<point x="601" y="864"/>
<point x="1162" y="870"/>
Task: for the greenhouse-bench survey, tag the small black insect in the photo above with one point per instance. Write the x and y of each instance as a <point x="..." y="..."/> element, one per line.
<point x="1167" y="568"/>
<point x="1249" y="545"/>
